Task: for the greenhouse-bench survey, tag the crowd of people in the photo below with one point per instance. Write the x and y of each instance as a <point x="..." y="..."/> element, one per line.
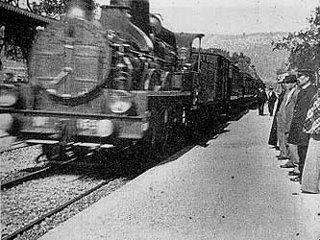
<point x="295" y="131"/>
<point x="263" y="97"/>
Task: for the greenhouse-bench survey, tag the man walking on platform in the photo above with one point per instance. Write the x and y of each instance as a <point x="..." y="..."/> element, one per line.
<point x="272" y="98"/>
<point x="261" y="98"/>
<point x="297" y="139"/>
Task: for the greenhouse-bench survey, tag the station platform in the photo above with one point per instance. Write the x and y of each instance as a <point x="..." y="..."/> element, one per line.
<point x="230" y="189"/>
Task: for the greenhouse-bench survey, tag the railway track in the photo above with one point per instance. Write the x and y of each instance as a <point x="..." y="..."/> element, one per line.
<point x="23" y="176"/>
<point x="15" y="146"/>
<point x="21" y="208"/>
<point x="34" y="175"/>
<point x="39" y="219"/>
<point x="36" y="222"/>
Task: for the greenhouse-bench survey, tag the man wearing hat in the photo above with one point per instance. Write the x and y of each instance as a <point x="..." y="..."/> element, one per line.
<point x="261" y="99"/>
<point x="273" y="138"/>
<point x="284" y="117"/>
<point x="272" y="98"/>
<point x="298" y="139"/>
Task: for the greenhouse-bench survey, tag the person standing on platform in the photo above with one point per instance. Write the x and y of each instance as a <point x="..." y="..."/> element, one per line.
<point x="284" y="117"/>
<point x="272" y="98"/>
<point x="261" y="98"/>
<point x="311" y="170"/>
<point x="273" y="138"/>
<point x="297" y="139"/>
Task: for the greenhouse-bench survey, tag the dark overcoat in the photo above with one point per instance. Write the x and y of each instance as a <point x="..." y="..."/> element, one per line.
<point x="273" y="140"/>
<point x="296" y="134"/>
<point x="272" y="98"/>
<point x="285" y="113"/>
<point x="262" y="97"/>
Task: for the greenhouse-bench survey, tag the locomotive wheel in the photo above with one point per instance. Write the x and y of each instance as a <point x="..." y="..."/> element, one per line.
<point x="52" y="152"/>
<point x="164" y="147"/>
<point x="150" y="147"/>
<point x="178" y="131"/>
<point x="154" y="147"/>
<point x="195" y="128"/>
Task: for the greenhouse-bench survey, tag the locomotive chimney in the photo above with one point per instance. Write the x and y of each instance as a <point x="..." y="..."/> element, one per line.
<point x="116" y="17"/>
<point x="140" y="14"/>
<point x="139" y="11"/>
<point x="81" y="9"/>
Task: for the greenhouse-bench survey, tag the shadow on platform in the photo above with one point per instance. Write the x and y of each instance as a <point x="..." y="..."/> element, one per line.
<point x="212" y="131"/>
<point x="130" y="164"/>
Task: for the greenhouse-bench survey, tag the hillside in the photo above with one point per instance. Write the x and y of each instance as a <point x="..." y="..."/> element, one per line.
<point x="257" y="46"/>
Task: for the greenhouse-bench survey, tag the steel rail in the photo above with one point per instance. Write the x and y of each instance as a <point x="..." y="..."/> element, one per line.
<point x="34" y="175"/>
<point x="28" y="177"/>
<point x="15" y="147"/>
<point x="52" y="212"/>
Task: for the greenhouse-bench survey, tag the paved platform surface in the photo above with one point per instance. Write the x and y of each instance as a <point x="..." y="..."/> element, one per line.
<point x="231" y="189"/>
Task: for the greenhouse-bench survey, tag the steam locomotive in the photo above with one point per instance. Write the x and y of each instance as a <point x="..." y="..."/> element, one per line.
<point x="123" y="79"/>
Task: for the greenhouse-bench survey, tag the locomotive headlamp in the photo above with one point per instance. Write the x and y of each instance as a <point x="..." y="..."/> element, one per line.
<point x="104" y="128"/>
<point x="7" y="99"/>
<point x="120" y="101"/>
<point x="6" y="121"/>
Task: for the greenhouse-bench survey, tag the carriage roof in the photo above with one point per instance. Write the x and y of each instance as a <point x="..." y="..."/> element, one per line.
<point x="186" y="39"/>
<point x="10" y="12"/>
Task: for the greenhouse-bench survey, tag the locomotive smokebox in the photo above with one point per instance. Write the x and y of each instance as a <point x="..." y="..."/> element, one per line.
<point x="82" y="9"/>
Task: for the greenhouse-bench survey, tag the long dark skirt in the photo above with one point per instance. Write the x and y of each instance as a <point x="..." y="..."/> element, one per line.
<point x="273" y="139"/>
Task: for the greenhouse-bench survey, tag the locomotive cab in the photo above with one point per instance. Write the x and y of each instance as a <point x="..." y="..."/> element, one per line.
<point x="189" y="62"/>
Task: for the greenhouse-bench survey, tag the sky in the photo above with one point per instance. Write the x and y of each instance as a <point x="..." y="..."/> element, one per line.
<point x="234" y="16"/>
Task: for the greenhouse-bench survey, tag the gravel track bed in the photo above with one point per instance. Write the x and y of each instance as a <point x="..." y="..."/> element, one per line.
<point x="24" y="203"/>
<point x="19" y="162"/>
<point x="56" y="219"/>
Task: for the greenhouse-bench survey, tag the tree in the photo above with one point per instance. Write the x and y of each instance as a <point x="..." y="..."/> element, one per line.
<point x="17" y="47"/>
<point x="50" y="8"/>
<point x="304" y="46"/>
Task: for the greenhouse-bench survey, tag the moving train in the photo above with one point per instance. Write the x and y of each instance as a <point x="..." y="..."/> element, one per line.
<point x="123" y="79"/>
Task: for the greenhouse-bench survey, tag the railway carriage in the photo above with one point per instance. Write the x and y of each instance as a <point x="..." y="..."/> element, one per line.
<point x="121" y="81"/>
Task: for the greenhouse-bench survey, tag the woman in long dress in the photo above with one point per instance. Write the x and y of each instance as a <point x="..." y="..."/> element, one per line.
<point x="311" y="172"/>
